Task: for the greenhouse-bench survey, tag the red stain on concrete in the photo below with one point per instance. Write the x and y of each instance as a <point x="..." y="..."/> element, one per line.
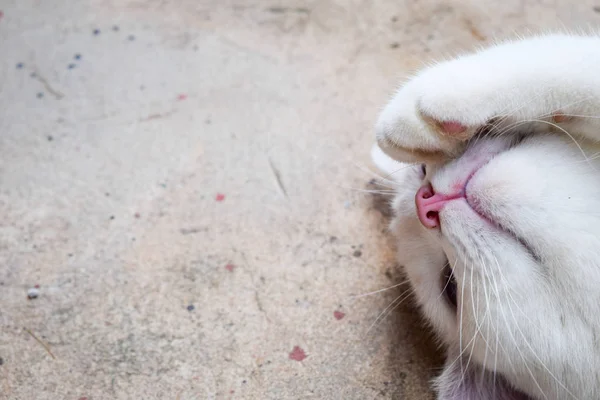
<point x="220" y="197"/>
<point x="338" y="315"/>
<point x="136" y="215"/>
<point x="297" y="354"/>
<point x="230" y="267"/>
<point x="182" y="97"/>
<point x="1" y="15"/>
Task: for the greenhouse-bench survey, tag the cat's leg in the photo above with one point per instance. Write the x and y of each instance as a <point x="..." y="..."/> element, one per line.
<point x="553" y="80"/>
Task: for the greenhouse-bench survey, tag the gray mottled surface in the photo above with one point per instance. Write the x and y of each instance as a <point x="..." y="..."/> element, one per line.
<point x="109" y="184"/>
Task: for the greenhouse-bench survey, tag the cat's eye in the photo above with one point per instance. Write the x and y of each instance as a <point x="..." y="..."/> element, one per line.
<point x="449" y="287"/>
<point x="424" y="169"/>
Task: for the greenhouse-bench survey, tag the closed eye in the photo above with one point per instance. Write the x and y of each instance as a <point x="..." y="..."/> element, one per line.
<point x="449" y="287"/>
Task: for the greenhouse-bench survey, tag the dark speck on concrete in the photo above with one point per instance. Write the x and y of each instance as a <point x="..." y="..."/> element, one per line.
<point x="20" y="65"/>
<point x="71" y="66"/>
<point x="39" y="95"/>
<point x="96" y="31"/>
<point x="394" y="19"/>
<point x="70" y="254"/>
<point x="33" y="75"/>
<point x="190" y="307"/>
<point x="131" y="38"/>
<point x="50" y="138"/>
<point x="112" y="217"/>
<point x="115" y="28"/>
<point x="332" y="239"/>
<point x="244" y="381"/>
<point x="2" y="363"/>
<point x="597" y="9"/>
<point x="357" y="253"/>
<point x="33" y="293"/>
<point x="77" y="56"/>
<point x="394" y="45"/>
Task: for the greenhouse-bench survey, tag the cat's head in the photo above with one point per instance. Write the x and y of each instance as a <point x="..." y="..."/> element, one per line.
<point x="502" y="247"/>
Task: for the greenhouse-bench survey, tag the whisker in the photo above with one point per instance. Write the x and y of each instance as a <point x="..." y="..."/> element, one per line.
<point x="395" y="304"/>
<point x="372" y="191"/>
<point x="380" y="290"/>
<point x="568" y="134"/>
<point x="448" y="281"/>
<point x="527" y="342"/>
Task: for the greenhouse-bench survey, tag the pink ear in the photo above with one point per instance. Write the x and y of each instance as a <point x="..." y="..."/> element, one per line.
<point x="473" y="383"/>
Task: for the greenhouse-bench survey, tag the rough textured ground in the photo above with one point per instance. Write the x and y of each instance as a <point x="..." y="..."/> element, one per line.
<point x="181" y="186"/>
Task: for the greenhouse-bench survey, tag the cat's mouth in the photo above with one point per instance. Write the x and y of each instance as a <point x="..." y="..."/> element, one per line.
<point x="481" y="213"/>
<point x="478" y="156"/>
<point x="498" y="225"/>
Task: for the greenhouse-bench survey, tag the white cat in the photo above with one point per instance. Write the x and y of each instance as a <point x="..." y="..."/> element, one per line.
<point x="499" y="229"/>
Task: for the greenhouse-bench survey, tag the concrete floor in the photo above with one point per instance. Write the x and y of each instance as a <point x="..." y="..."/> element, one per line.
<point x="184" y="185"/>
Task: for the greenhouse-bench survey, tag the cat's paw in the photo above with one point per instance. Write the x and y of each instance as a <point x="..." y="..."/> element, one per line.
<point x="547" y="83"/>
<point x="434" y="114"/>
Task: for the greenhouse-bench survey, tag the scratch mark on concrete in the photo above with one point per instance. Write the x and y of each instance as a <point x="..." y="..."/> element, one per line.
<point x="157" y="116"/>
<point x="44" y="345"/>
<point x="259" y="303"/>
<point x="278" y="179"/>
<point x="246" y="49"/>
<point x="474" y="30"/>
<point x="189" y="231"/>
<point x="58" y="95"/>
<point x="283" y="10"/>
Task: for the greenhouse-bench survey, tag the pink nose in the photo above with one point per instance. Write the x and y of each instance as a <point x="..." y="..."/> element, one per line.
<point x="429" y="205"/>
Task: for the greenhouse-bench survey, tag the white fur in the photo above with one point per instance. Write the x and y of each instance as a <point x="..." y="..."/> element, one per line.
<point x="528" y="292"/>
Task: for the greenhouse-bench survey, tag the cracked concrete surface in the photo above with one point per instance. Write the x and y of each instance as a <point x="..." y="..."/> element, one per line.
<point x="183" y="179"/>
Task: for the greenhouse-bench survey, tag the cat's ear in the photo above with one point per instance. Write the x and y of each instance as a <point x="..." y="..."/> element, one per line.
<point x="470" y="382"/>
